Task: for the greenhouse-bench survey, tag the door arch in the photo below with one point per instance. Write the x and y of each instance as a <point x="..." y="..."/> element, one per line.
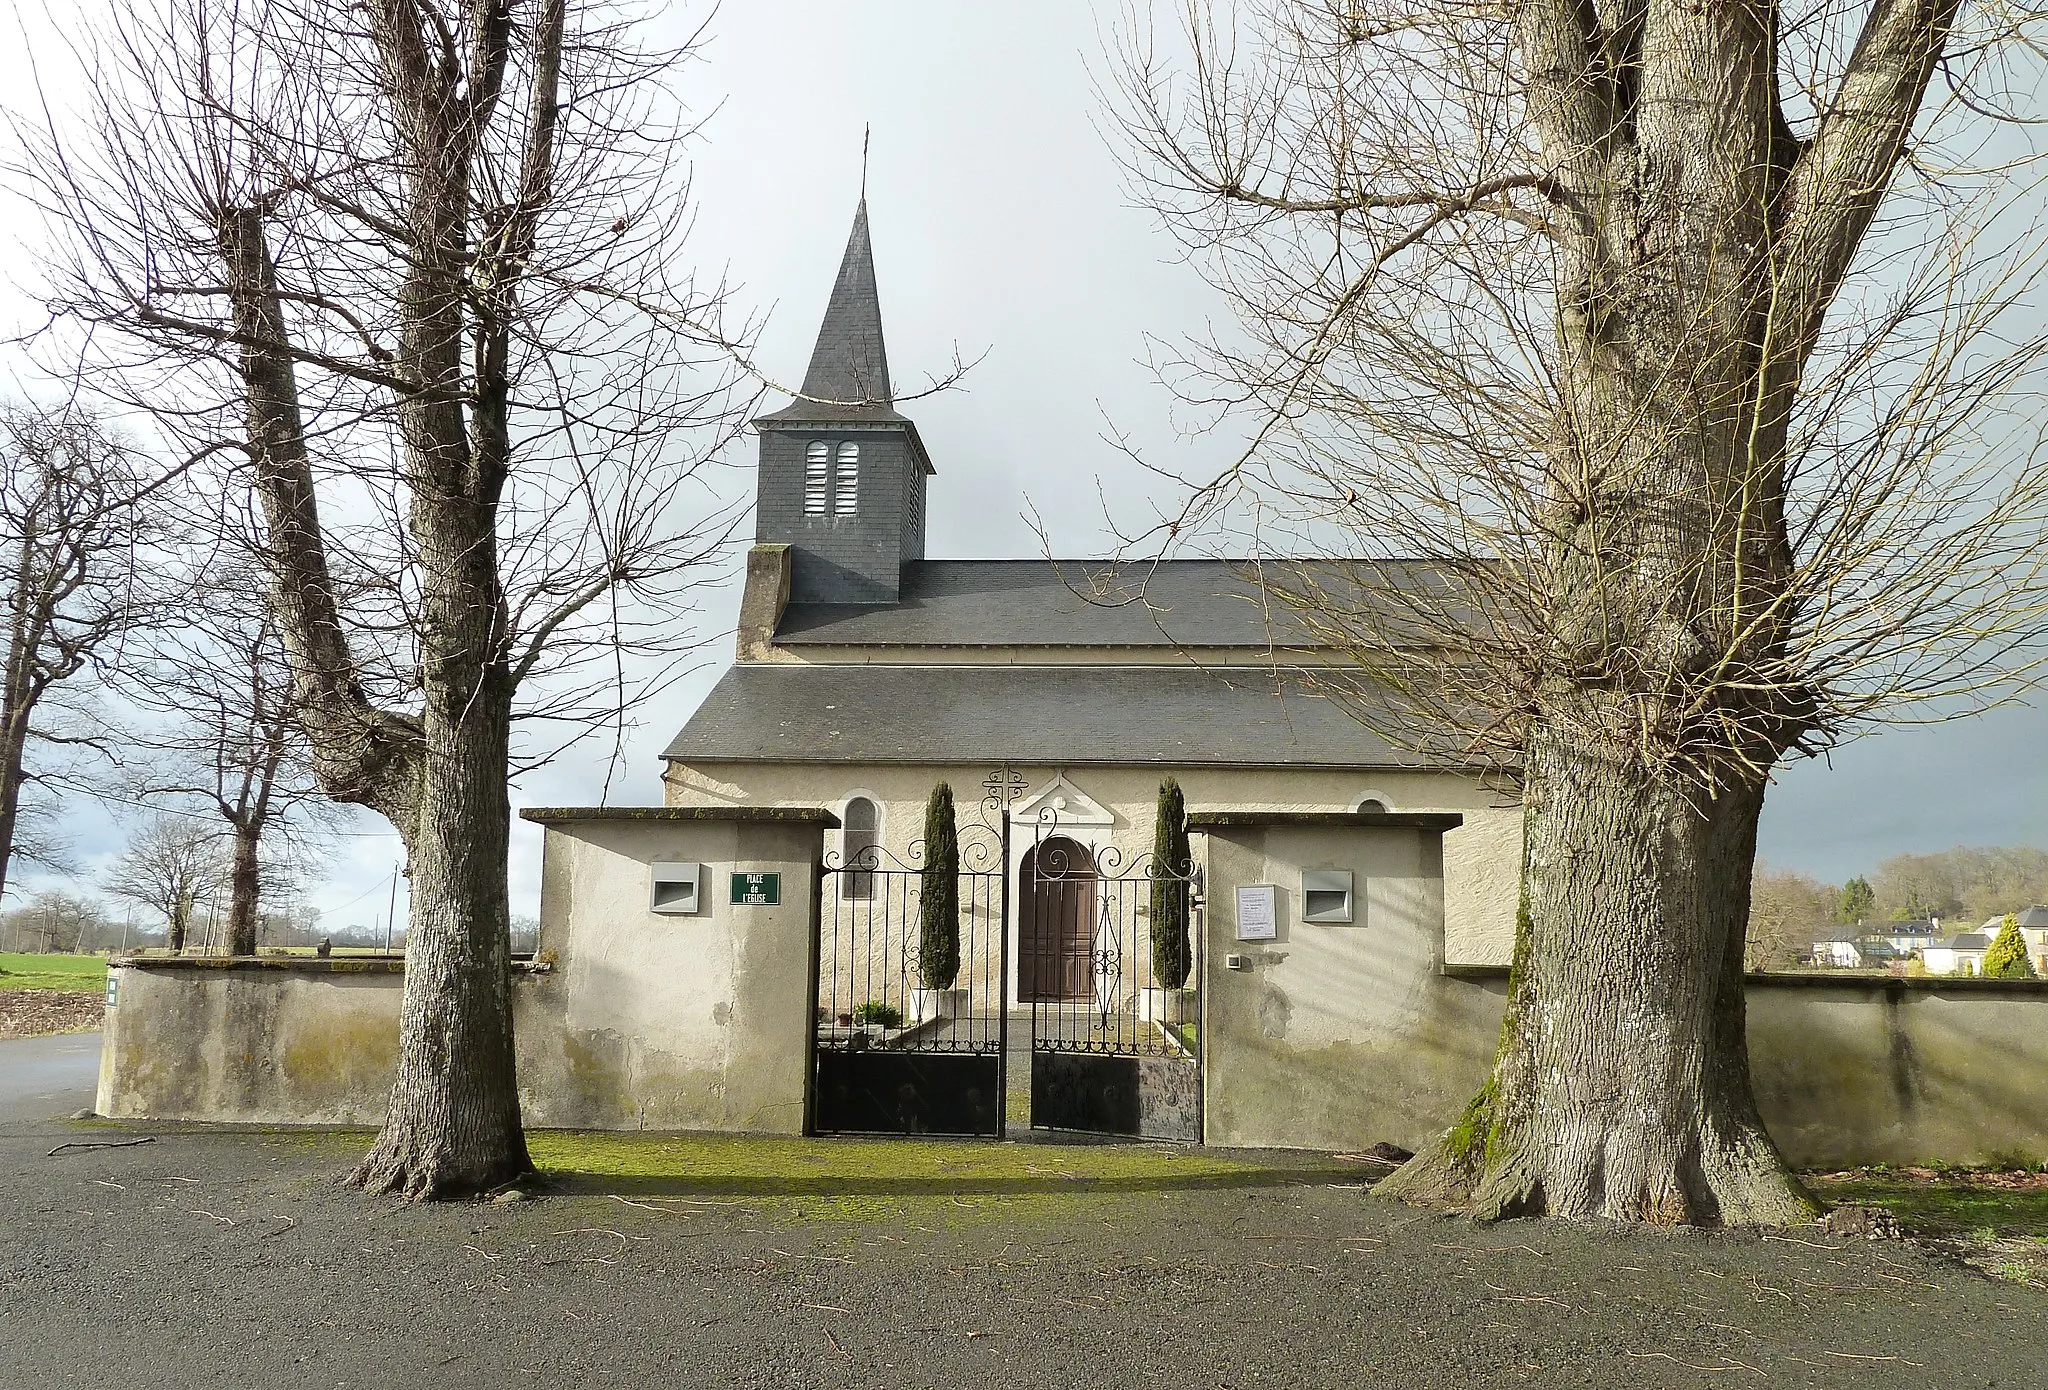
<point x="1056" y="888"/>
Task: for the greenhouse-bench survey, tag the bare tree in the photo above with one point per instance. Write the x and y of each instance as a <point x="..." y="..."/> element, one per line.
<point x="1786" y="910"/>
<point x="68" y="524"/>
<point x="1657" y="459"/>
<point x="420" y="258"/>
<point x="1973" y="883"/>
<point x="225" y="731"/>
<point x="62" y="922"/>
<point x="172" y="867"/>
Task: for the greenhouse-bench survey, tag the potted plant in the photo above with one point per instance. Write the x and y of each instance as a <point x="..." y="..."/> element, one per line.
<point x="938" y="914"/>
<point x="876" y="1014"/>
<point x="1166" y="1001"/>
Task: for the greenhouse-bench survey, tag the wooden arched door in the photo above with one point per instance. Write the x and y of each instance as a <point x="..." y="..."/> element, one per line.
<point x="1056" y="922"/>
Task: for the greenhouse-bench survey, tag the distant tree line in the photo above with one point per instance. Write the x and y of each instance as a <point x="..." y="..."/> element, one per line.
<point x="54" y="921"/>
<point x="1965" y="886"/>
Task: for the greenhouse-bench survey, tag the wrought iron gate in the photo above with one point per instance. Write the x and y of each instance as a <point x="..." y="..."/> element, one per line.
<point x="1114" y="1046"/>
<point x="902" y="1045"/>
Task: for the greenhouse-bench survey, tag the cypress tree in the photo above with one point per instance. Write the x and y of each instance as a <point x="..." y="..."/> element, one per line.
<point x="938" y="904"/>
<point x="1172" y="867"/>
<point x="2007" y="958"/>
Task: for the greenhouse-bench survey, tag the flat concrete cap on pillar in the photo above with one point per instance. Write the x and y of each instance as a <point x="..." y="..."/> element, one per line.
<point x="759" y="815"/>
<point x="1392" y="820"/>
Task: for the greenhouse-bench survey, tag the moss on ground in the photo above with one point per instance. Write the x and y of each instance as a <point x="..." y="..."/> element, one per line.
<point x="1945" y="1202"/>
<point x="1993" y="1219"/>
<point x="865" y="1179"/>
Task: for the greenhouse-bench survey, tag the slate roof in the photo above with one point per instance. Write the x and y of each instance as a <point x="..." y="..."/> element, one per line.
<point x="2033" y="918"/>
<point x="1164" y="715"/>
<point x="849" y="363"/>
<point x="1967" y="941"/>
<point x="1083" y="603"/>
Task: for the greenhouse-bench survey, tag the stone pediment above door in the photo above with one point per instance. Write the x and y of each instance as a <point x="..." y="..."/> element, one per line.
<point x="1061" y="805"/>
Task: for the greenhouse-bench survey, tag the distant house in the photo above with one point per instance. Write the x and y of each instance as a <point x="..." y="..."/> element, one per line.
<point x="1961" y="954"/>
<point x="1904" y="938"/>
<point x="1884" y="951"/>
<point x="2033" y="923"/>
<point x="1842" y="950"/>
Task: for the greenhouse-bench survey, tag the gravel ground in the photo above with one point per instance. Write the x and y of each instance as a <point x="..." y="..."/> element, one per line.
<point x="233" y="1259"/>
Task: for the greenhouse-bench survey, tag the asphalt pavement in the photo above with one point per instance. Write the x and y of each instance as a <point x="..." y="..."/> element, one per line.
<point x="218" y="1259"/>
<point x="42" y="1078"/>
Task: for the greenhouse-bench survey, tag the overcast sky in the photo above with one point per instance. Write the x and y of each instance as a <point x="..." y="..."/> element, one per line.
<point x="1000" y="224"/>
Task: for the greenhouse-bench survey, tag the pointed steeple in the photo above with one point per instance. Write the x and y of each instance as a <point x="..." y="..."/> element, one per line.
<point x="841" y="489"/>
<point x="848" y="379"/>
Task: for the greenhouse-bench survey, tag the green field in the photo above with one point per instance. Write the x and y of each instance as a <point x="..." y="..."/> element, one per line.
<point x="79" y="974"/>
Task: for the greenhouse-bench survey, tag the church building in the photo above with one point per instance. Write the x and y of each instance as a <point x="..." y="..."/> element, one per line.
<point x="865" y="672"/>
<point x="779" y="949"/>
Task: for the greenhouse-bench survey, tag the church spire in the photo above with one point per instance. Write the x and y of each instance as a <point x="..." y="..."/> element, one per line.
<point x="848" y="377"/>
<point x="842" y="479"/>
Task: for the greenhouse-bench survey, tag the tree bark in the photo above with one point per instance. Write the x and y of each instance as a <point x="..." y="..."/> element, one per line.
<point x="18" y="694"/>
<point x="244" y="889"/>
<point x="13" y="760"/>
<point x="453" y="1120"/>
<point x="1621" y="1089"/>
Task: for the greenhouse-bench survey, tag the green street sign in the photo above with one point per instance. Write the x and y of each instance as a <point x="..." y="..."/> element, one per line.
<point x="757" y="890"/>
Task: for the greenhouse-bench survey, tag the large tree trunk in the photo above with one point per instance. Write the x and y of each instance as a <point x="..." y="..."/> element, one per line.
<point x="244" y="888"/>
<point x="453" y="1120"/>
<point x="13" y="756"/>
<point x="17" y="699"/>
<point x="1621" y="1089"/>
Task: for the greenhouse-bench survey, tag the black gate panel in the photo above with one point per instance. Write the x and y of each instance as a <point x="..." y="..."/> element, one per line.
<point x="1143" y="1097"/>
<point x="910" y="1028"/>
<point x="874" y="1092"/>
<point x="1080" y="1090"/>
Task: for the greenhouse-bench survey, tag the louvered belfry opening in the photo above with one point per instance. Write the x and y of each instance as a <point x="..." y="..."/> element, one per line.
<point x="846" y="481"/>
<point x="817" y="477"/>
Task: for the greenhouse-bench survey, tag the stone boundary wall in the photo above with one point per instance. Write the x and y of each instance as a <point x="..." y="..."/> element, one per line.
<point x="1859" y="1070"/>
<point x="627" y="1019"/>
<point x="263" y="1040"/>
<point x="1339" y="1037"/>
<point x="1329" y="1036"/>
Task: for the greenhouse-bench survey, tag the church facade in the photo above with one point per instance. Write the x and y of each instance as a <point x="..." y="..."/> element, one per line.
<point x="864" y="672"/>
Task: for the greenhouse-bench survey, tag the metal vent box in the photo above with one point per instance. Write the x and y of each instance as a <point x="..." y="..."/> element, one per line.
<point x="1326" y="895"/>
<point x="677" y="889"/>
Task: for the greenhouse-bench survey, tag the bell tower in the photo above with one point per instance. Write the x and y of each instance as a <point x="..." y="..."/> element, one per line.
<point x="842" y="473"/>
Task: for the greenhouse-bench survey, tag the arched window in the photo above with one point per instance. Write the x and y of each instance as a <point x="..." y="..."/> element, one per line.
<point x="846" y="482"/>
<point x="817" y="462"/>
<point x="860" y="836"/>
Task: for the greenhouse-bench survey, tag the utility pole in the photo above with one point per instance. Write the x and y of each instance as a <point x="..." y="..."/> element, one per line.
<point x="391" y="909"/>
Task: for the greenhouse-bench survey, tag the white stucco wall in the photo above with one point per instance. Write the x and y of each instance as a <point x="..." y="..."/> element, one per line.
<point x="1337" y="1035"/>
<point x="652" y="1021"/>
<point x="1482" y="859"/>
